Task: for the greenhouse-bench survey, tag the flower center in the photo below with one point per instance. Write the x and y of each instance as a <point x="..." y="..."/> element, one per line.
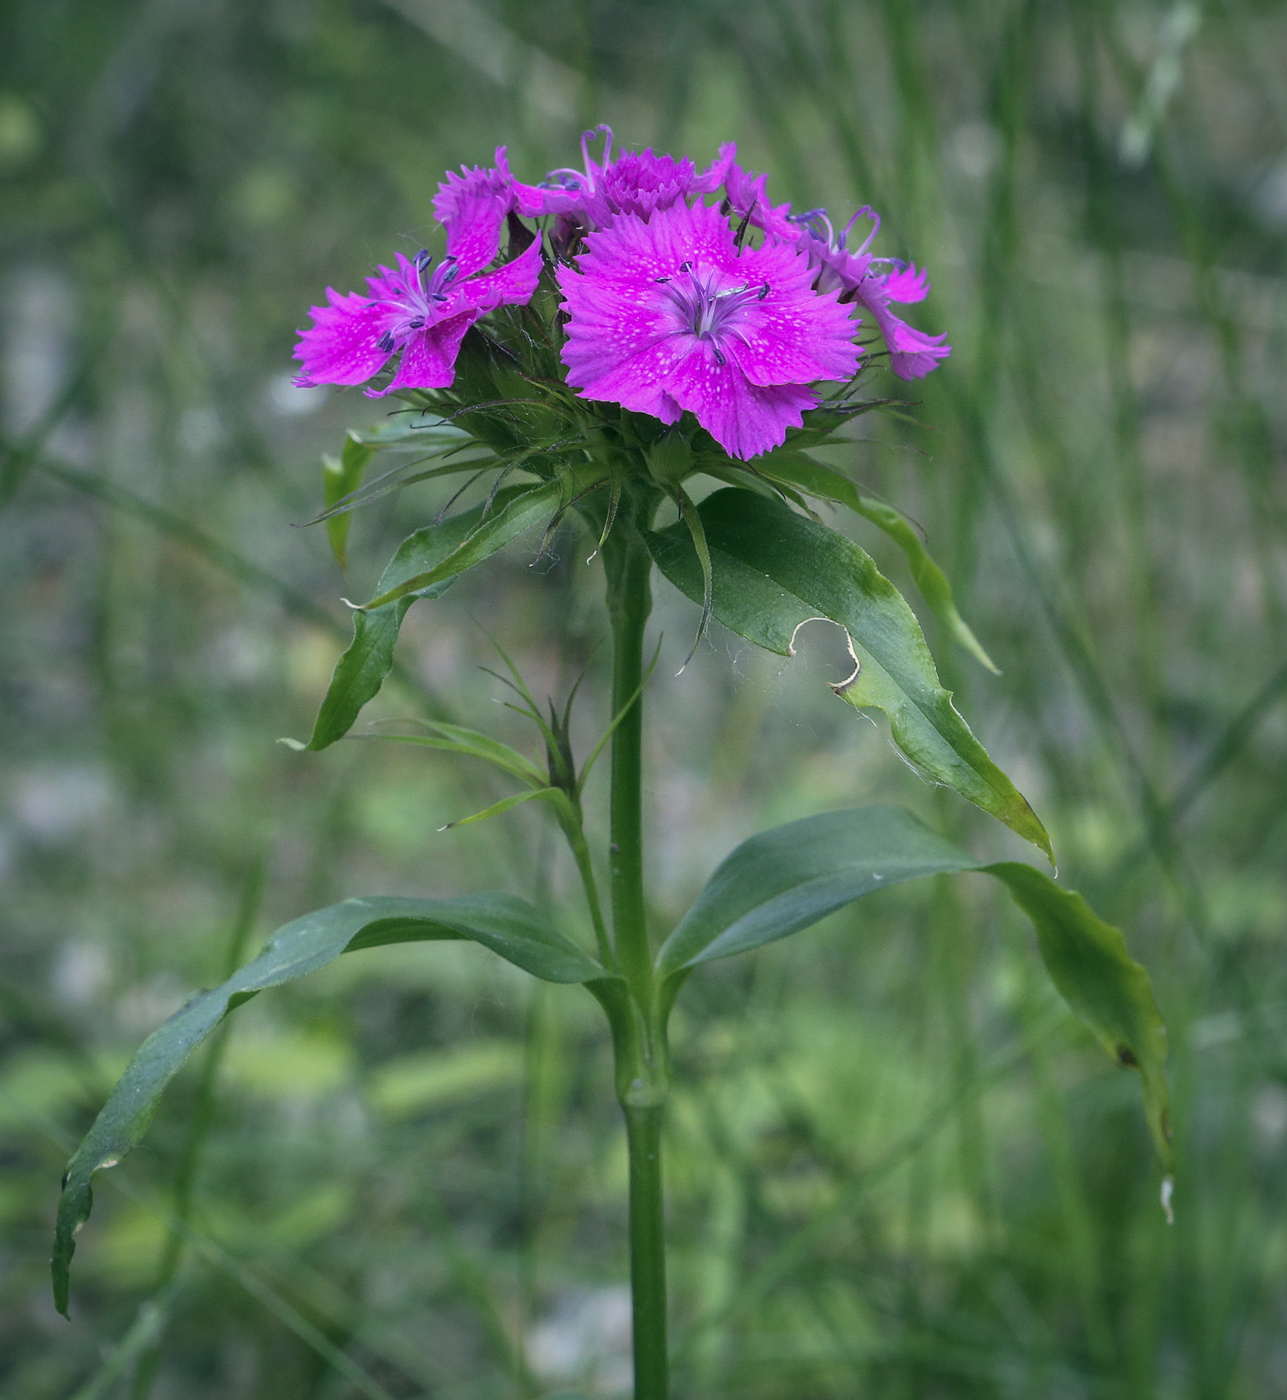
<point x="420" y="297"/>
<point x="705" y="309"/>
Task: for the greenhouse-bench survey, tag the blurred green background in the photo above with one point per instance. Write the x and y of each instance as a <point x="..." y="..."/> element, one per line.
<point x="896" y="1167"/>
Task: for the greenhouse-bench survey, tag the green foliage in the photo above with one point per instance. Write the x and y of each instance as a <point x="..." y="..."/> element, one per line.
<point x="784" y="880"/>
<point x="791" y="467"/>
<point x="1088" y="962"/>
<point x="504" y="923"/>
<point x="341" y="477"/>
<point x="494" y="528"/>
<point x="773" y="570"/>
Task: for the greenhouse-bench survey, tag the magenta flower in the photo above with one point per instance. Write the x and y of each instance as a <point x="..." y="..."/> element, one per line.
<point x="668" y="314"/>
<point x="637" y="182"/>
<point x="422" y="313"/>
<point x="472" y="206"/>
<point x="873" y="283"/>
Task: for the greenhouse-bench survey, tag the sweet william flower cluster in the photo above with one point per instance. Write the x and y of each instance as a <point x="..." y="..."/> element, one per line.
<point x="683" y="291"/>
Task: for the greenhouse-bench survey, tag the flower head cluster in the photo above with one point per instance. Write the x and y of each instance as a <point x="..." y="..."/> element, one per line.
<point x="684" y="291"/>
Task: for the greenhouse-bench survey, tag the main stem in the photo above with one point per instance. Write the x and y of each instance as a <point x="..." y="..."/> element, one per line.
<point x="647" y="1254"/>
<point x="637" y="1033"/>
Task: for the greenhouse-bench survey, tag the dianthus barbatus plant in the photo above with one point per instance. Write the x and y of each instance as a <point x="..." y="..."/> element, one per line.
<point x="593" y="346"/>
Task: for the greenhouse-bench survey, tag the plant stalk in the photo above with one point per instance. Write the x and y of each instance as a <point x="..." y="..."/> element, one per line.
<point x="628" y="565"/>
<point x="638" y="1032"/>
<point x="647" y="1253"/>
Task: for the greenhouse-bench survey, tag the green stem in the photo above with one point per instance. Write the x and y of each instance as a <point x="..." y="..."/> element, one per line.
<point x="647" y="1253"/>
<point x="628" y="565"/>
<point x="581" y="854"/>
<point x="638" y="1026"/>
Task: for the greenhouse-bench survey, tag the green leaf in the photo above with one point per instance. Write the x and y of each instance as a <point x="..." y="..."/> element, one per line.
<point x="410" y="430"/>
<point x="786" y="466"/>
<point x="1110" y="993"/>
<point x="340" y="477"/>
<point x="505" y="924"/>
<point x="360" y="671"/>
<point x="512" y="512"/>
<point x="788" y="878"/>
<point x="454" y="738"/>
<point x="689" y="515"/>
<point x="774" y="569"/>
<point x="552" y="795"/>
<point x="784" y="880"/>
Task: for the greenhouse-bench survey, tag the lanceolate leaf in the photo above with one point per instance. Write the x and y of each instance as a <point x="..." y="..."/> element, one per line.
<point x="340" y="477"/>
<point x="773" y="569"/>
<point x="512" y="512"/>
<point x="784" y="880"/>
<point x="453" y="738"/>
<point x="930" y="579"/>
<point x="360" y="672"/>
<point x="795" y="468"/>
<point x="1088" y="962"/>
<point x="507" y="925"/>
<point x="788" y="878"/>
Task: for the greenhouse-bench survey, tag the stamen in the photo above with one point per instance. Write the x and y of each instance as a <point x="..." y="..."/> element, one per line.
<point x="591" y="169"/>
<point x="818" y="224"/>
<point x="705" y="312"/>
<point x="865" y="212"/>
<point x="385" y="343"/>
<point x="423" y="259"/>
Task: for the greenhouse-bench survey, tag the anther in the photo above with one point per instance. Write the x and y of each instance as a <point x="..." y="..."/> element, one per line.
<point x="385" y="343"/>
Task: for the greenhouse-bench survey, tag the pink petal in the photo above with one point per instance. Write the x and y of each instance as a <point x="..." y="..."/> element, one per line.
<point x="744" y="418"/>
<point x="429" y="357"/>
<point x="638" y="379"/>
<point x="906" y="284"/>
<point x="915" y="354"/>
<point x="473" y="184"/>
<point x="511" y="285"/>
<point x="714" y="175"/>
<point x="795" y="334"/>
<point x="473" y="234"/>
<point x="748" y="194"/>
<point x="343" y="344"/>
